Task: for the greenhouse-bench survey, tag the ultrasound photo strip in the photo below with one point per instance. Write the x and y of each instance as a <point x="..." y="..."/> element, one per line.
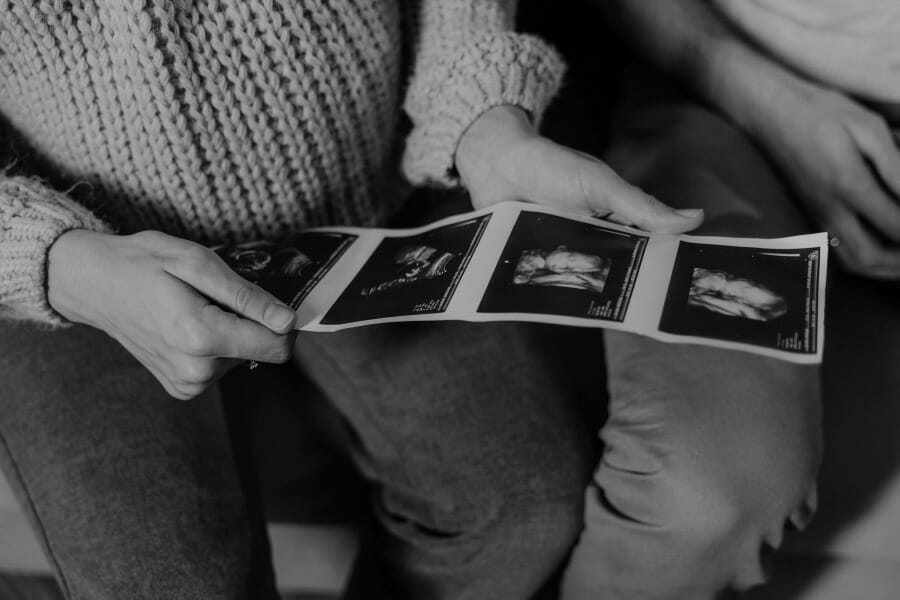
<point x="525" y="262"/>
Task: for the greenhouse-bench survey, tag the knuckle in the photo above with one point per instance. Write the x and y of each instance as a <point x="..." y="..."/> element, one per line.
<point x="169" y="386"/>
<point x="196" y="338"/>
<point x="195" y="257"/>
<point x="244" y="295"/>
<point x="187" y="391"/>
<point x="177" y="389"/>
<point x="179" y="395"/>
<point x="195" y="372"/>
<point x="172" y="333"/>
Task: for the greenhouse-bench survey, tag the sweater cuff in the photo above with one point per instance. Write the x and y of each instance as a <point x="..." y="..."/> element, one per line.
<point x="490" y="70"/>
<point x="32" y="217"/>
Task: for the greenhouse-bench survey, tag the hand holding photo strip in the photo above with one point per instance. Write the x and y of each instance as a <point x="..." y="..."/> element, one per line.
<point x="290" y="270"/>
<point x="525" y="262"/>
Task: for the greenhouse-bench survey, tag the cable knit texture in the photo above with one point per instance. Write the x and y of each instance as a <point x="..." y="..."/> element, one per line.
<point x="228" y="120"/>
<point x="32" y="217"/>
<point x="467" y="61"/>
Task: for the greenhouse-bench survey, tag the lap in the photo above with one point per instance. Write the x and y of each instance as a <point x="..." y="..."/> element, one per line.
<point x="470" y="396"/>
<point x="110" y="468"/>
<point x="74" y="394"/>
<point x="474" y="451"/>
<point x="716" y="412"/>
<point x="707" y="452"/>
<point x="477" y="401"/>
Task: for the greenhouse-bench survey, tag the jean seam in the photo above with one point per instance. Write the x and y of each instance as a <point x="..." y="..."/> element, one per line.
<point x="32" y="508"/>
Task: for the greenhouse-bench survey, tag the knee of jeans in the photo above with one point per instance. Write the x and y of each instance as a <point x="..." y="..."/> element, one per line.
<point x="536" y="510"/>
<point x="721" y="515"/>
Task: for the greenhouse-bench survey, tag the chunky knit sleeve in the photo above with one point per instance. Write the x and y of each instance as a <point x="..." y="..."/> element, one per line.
<point x="32" y="216"/>
<point x="467" y="59"/>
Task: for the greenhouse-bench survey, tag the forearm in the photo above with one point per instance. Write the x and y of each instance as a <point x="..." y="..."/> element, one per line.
<point x="688" y="40"/>
<point x="680" y="37"/>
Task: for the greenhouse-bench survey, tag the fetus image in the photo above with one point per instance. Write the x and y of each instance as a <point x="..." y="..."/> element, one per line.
<point x="723" y="293"/>
<point x="414" y="263"/>
<point x="562" y="267"/>
<point x="260" y="261"/>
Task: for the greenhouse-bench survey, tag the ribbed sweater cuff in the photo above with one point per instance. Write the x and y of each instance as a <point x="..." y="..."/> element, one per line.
<point x="491" y="70"/>
<point x="32" y="217"/>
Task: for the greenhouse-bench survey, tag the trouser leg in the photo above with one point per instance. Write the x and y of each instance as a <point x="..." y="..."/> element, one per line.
<point x="133" y="494"/>
<point x="475" y="451"/>
<point x="708" y="453"/>
<point x="477" y="464"/>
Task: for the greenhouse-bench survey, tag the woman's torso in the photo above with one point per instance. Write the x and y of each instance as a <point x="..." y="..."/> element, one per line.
<point x="212" y="119"/>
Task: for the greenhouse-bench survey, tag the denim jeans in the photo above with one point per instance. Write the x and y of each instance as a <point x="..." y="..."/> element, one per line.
<point x="471" y="436"/>
<point x="477" y="462"/>
<point x="133" y="494"/>
<point x="709" y="454"/>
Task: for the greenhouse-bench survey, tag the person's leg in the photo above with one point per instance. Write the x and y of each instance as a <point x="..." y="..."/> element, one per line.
<point x="475" y="452"/>
<point x="477" y="462"/>
<point x="708" y="453"/>
<point x="133" y="494"/>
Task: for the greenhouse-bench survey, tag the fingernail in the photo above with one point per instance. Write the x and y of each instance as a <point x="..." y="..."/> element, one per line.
<point x="278" y="316"/>
<point x="689" y="213"/>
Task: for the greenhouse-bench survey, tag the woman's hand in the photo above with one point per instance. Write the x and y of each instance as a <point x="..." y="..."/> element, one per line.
<point x="842" y="162"/>
<point x="174" y="305"/>
<point x="502" y="157"/>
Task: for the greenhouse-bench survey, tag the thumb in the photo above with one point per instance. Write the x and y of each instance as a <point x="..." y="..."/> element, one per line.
<point x="213" y="278"/>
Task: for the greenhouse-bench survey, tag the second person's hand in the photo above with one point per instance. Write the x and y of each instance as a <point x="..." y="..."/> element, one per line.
<point x="842" y="162"/>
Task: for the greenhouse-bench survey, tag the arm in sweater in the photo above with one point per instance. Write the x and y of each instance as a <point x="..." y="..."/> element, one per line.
<point x="467" y="59"/>
<point x="477" y="92"/>
<point x="32" y="217"/>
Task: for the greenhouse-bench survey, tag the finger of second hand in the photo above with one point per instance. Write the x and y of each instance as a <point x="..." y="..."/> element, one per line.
<point x="861" y="251"/>
<point x="882" y="153"/>
<point x="870" y="199"/>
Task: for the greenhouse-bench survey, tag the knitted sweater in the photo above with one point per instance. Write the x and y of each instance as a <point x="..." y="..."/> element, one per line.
<point x="227" y="120"/>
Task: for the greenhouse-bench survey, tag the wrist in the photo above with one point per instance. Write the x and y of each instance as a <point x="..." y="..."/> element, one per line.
<point x="489" y="136"/>
<point x="756" y="94"/>
<point x="67" y="260"/>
